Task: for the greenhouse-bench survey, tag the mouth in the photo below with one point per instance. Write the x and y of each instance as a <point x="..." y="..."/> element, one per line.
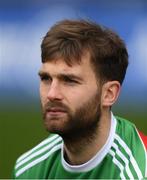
<point x="55" y="111"/>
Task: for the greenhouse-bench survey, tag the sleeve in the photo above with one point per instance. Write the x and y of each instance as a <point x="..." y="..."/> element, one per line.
<point x="13" y="174"/>
<point x="144" y="139"/>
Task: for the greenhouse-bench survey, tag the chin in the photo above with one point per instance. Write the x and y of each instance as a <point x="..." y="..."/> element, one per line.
<point x="55" y="126"/>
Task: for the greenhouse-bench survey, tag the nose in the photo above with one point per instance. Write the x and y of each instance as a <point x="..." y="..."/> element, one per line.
<point x="54" y="92"/>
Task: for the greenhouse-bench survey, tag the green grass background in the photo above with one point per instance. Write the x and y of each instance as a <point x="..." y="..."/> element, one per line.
<point x="21" y="128"/>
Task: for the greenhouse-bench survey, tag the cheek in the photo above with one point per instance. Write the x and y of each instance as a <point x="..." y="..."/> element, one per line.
<point x="77" y="98"/>
<point x="43" y="94"/>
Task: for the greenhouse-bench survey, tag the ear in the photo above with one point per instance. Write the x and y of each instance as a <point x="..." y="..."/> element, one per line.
<point x="110" y="93"/>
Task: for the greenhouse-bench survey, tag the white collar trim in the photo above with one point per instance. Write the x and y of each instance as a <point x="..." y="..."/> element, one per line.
<point x="92" y="163"/>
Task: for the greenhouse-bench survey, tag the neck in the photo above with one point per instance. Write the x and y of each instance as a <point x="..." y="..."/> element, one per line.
<point x="79" y="150"/>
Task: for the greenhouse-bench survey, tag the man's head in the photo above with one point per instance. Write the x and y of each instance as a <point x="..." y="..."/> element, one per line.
<point x="71" y="39"/>
<point x="83" y="67"/>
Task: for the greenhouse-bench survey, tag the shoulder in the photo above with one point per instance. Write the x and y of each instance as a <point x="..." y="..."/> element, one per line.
<point x="132" y="145"/>
<point x="38" y="154"/>
<point x="123" y="123"/>
<point x="51" y="141"/>
<point x="129" y="129"/>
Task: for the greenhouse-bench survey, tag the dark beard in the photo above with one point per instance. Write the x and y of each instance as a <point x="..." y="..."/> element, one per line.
<point x="81" y="124"/>
<point x="84" y="123"/>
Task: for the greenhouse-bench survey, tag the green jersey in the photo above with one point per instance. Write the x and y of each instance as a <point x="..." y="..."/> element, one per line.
<point x="123" y="156"/>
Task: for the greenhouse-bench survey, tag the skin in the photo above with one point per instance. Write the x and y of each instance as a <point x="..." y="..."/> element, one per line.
<point x="76" y="106"/>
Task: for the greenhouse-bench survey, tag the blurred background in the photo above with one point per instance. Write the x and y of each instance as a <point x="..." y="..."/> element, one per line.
<point x="22" y="26"/>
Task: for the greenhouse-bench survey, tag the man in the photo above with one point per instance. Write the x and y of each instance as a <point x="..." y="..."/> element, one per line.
<point x="83" y="67"/>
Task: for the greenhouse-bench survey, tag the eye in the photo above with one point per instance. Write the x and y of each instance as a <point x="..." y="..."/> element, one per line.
<point x="70" y="80"/>
<point x="45" y="78"/>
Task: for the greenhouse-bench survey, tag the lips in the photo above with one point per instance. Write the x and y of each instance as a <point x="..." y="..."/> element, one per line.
<point x="55" y="111"/>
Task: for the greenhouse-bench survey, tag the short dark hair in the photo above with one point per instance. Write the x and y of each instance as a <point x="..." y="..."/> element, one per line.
<point x="70" y="39"/>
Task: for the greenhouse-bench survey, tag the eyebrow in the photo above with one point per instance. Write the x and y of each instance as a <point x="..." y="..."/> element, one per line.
<point x="61" y="76"/>
<point x="42" y="73"/>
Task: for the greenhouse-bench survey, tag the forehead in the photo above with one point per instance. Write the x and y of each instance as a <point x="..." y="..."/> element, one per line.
<point x="58" y="66"/>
